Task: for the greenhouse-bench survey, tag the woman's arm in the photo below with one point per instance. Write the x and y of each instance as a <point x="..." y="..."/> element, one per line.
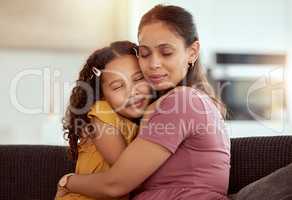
<point x="140" y="159"/>
<point x="108" y="141"/>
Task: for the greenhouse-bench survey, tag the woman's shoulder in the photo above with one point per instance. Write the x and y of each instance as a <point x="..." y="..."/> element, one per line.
<point x="174" y="99"/>
<point x="182" y="90"/>
<point x="183" y="100"/>
<point x="181" y="93"/>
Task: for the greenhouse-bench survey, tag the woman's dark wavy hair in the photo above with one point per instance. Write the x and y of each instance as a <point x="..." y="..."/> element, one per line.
<point x="181" y="22"/>
<point x="87" y="90"/>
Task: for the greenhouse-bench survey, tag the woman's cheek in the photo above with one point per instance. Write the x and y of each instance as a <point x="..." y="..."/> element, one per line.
<point x="143" y="65"/>
<point x="176" y="66"/>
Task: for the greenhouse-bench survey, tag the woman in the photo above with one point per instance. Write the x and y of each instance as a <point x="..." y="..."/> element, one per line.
<point x="182" y="150"/>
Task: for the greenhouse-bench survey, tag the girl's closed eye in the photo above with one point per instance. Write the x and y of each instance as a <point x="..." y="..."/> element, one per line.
<point x="117" y="85"/>
<point x="139" y="77"/>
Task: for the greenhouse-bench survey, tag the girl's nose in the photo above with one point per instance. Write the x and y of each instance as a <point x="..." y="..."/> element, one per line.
<point x="134" y="90"/>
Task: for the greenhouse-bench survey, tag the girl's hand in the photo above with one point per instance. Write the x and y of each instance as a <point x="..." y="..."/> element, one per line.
<point x="61" y="191"/>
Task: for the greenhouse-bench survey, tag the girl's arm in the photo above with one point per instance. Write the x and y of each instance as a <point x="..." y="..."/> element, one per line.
<point x="140" y="159"/>
<point x="108" y="141"/>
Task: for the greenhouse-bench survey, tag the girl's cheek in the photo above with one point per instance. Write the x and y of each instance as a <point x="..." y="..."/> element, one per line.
<point x="117" y="98"/>
<point x="144" y="88"/>
<point x="122" y="97"/>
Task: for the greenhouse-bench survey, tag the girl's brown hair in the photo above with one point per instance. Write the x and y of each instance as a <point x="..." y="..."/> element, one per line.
<point x="181" y="22"/>
<point x="88" y="90"/>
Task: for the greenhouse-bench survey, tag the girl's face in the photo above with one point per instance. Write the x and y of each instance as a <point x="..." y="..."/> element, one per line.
<point x="124" y="86"/>
<point x="163" y="57"/>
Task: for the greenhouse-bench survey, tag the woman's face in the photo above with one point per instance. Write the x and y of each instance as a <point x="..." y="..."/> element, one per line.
<point x="124" y="86"/>
<point x="163" y="56"/>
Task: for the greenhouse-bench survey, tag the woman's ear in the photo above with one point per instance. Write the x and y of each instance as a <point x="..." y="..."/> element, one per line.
<point x="194" y="51"/>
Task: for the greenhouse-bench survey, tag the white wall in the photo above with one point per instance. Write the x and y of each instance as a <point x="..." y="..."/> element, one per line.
<point x="289" y="71"/>
<point x="17" y="125"/>
<point x="238" y="26"/>
<point x="59" y="35"/>
<point x="231" y="25"/>
<point x="55" y="35"/>
<point x="136" y="11"/>
<point x="61" y="24"/>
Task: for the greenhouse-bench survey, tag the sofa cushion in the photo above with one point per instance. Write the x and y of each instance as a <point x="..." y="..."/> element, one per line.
<point x="30" y="172"/>
<point x="276" y="186"/>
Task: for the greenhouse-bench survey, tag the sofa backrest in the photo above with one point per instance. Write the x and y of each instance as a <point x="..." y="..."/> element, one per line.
<point x="31" y="172"/>
<point x="255" y="157"/>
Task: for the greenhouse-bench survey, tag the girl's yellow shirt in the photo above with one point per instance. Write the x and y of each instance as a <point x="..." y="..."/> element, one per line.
<point x="89" y="158"/>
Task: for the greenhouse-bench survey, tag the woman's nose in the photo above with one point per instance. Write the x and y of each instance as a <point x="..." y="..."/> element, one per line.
<point x="155" y="62"/>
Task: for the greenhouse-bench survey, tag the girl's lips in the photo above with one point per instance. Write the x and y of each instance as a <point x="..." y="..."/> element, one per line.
<point x="138" y="103"/>
<point x="157" y="78"/>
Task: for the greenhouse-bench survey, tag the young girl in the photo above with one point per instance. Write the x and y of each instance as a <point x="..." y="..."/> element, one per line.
<point x="182" y="150"/>
<point x="110" y="95"/>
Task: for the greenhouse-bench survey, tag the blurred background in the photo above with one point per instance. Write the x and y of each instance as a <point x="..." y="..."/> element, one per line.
<point x="246" y="51"/>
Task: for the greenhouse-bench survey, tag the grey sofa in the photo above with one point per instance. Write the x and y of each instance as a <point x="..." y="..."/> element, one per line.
<point x="31" y="172"/>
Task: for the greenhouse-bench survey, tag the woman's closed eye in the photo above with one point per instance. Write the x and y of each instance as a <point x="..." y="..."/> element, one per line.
<point x="163" y="52"/>
<point x="166" y="52"/>
<point x="143" y="52"/>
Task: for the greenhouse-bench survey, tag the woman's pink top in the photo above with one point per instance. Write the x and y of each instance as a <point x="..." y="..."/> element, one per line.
<point x="189" y="125"/>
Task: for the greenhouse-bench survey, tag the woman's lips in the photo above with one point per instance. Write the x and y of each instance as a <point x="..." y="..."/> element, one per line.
<point x="157" y="78"/>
